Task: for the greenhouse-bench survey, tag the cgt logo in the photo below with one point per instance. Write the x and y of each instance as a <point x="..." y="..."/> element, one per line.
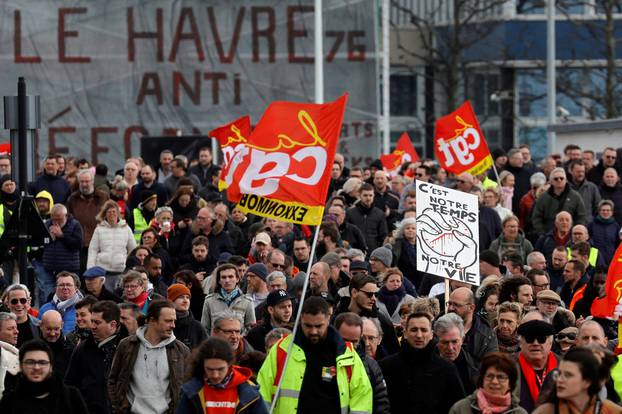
<point x="460" y="148"/>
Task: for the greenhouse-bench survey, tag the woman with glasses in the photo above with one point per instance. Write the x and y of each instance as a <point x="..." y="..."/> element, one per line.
<point x="135" y="291"/>
<point x="38" y="390"/>
<point x="216" y="382"/>
<point x="580" y="379"/>
<point x="112" y="241"/>
<point x="495" y="386"/>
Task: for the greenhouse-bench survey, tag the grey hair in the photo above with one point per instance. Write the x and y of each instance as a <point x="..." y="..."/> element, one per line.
<point x="59" y="207"/>
<point x="5" y="316"/>
<point x="513" y="151"/>
<point x="538" y="179"/>
<point x="410" y="221"/>
<point x="85" y="171"/>
<point x="557" y="170"/>
<point x="352" y="184"/>
<point x="276" y="334"/>
<point x="532" y="256"/>
<point x="352" y="253"/>
<point x="226" y="315"/>
<point x="447" y="322"/>
<point x="275" y="275"/>
<point x="376" y="323"/>
<point x="17" y="286"/>
<point x="164" y="209"/>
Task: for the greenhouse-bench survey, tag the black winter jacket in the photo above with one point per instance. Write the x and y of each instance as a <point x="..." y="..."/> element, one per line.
<point x="189" y="331"/>
<point x="63" y="399"/>
<point x="64" y="252"/>
<point x="371" y="222"/>
<point x="421" y="382"/>
<point x="381" y="395"/>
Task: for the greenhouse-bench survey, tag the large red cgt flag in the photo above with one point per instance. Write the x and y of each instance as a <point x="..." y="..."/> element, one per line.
<point x="613" y="287"/>
<point x="283" y="170"/>
<point x="459" y="142"/>
<point x="231" y="137"/>
<point x="404" y="152"/>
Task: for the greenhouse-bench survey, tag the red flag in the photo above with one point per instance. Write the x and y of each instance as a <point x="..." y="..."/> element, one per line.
<point x="459" y="142"/>
<point x="283" y="171"/>
<point x="231" y="138"/>
<point x="613" y="287"/>
<point x="404" y="152"/>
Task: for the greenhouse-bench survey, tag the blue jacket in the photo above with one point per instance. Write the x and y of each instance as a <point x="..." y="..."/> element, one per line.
<point x="54" y="184"/>
<point x="604" y="237"/>
<point x="64" y="252"/>
<point x="248" y="395"/>
<point x="69" y="317"/>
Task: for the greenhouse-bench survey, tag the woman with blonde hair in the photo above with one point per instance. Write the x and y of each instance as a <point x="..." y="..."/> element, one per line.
<point x="111" y="243"/>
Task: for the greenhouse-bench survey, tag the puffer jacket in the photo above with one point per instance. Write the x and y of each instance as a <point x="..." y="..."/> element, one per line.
<point x="469" y="405"/>
<point x="604" y="235"/>
<point x="521" y="246"/>
<point x="110" y="246"/>
<point x="214" y="303"/>
<point x="64" y="252"/>
<point x="372" y="223"/>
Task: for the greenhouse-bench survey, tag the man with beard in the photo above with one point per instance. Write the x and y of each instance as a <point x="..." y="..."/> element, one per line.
<point x="417" y="367"/>
<point x="318" y="380"/>
<point x="52" y="333"/>
<point x="90" y="363"/>
<point x="8" y="201"/>
<point x="148" y="182"/>
<point x="362" y="301"/>
<point x="535" y="360"/>
<point x="279" y="313"/>
<point x="84" y="205"/>
<point x="558" y="261"/>
<point x="368" y="218"/>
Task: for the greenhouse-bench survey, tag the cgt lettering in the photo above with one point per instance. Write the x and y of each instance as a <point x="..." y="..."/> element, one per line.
<point x="460" y="148"/>
<point x="266" y="169"/>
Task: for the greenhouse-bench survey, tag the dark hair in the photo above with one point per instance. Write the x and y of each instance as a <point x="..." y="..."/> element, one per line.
<point x="315" y="305"/>
<point x="225" y="266"/>
<point x="573" y="163"/>
<point x="577" y="266"/>
<point x="427" y="168"/>
<point x="350" y="319"/>
<point x="588" y="366"/>
<point x="65" y="273"/>
<point x="200" y="240"/>
<point x="155" y="308"/>
<point x="514" y="258"/>
<point x="425" y="315"/>
<point x="367" y="187"/>
<point x="87" y="302"/>
<point x="360" y="280"/>
<point x="109" y="310"/>
<point x="179" y="163"/>
<point x="35" y="345"/>
<point x="532" y="273"/>
<point x="212" y="348"/>
<point x="571" y="147"/>
<point x="101" y="169"/>
<point x="237" y="260"/>
<point x="583" y="248"/>
<point x="502" y="362"/>
<point x="330" y="229"/>
<point x="189" y="278"/>
<point x="510" y="286"/>
<point x="129" y="305"/>
<point x="152" y="256"/>
<point x="560" y="249"/>
<point x="488" y="291"/>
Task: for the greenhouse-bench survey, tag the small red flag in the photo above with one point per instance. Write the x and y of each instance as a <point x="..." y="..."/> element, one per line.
<point x="404" y="152"/>
<point x="459" y="142"/>
<point x="613" y="287"/>
<point x="231" y="137"/>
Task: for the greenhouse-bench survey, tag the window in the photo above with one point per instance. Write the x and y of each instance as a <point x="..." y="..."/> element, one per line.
<point x="481" y="87"/>
<point x="403" y="95"/>
<point x="536" y="138"/>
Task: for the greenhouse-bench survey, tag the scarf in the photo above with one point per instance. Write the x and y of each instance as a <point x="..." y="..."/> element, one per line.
<point x="492" y="404"/>
<point x="229" y="297"/>
<point x="507" y="343"/>
<point x="533" y="381"/>
<point x="140" y="299"/>
<point x="391" y="298"/>
<point x="62" y="306"/>
<point x="602" y="220"/>
<point x="559" y="240"/>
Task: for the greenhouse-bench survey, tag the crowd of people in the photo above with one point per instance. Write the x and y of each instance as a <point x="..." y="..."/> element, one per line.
<point x="155" y="294"/>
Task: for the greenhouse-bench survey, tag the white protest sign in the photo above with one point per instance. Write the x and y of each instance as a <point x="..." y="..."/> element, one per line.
<point x="447" y="233"/>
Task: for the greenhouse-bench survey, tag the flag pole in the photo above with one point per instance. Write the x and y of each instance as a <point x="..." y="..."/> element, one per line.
<point x="319" y="53"/>
<point x="296" y="321"/>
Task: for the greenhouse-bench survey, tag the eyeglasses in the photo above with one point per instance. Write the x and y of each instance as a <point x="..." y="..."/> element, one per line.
<point x="368" y="294"/>
<point x="571" y="336"/>
<point x="498" y="377"/>
<point x="65" y="285"/>
<point x="611" y="157"/>
<point x="15" y="301"/>
<point x="418" y="175"/>
<point x="230" y="331"/>
<point x="33" y="362"/>
<point x="558" y="178"/>
<point x="277" y="265"/>
<point x="131" y="287"/>
<point x="456" y="305"/>
<point x="530" y="339"/>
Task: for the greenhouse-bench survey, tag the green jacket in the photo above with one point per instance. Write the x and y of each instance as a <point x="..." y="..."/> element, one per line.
<point x="355" y="392"/>
<point x="140" y="224"/>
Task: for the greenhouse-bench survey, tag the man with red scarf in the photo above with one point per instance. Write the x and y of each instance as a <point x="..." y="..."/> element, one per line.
<point x="535" y="360"/>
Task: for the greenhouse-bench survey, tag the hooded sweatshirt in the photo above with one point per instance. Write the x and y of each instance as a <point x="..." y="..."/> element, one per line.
<point x="48" y="197"/>
<point x="149" y="390"/>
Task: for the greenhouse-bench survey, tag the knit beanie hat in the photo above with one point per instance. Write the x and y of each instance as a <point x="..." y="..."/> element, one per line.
<point x="383" y="254"/>
<point x="258" y="269"/>
<point x="176" y="290"/>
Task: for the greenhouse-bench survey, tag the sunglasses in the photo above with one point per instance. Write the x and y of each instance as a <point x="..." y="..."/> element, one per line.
<point x="277" y="265"/>
<point x="530" y="339"/>
<point x="571" y="336"/>
<point x="368" y="294"/>
<point x="23" y="301"/>
<point x="558" y="179"/>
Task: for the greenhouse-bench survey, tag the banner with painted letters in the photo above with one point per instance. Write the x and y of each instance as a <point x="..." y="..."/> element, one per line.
<point x="447" y="233"/>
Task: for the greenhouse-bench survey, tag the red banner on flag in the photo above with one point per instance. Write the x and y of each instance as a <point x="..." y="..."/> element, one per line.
<point x="283" y="170"/>
<point x="404" y="152"/>
<point x="459" y="142"/>
<point x="231" y="137"/>
<point x="613" y="286"/>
